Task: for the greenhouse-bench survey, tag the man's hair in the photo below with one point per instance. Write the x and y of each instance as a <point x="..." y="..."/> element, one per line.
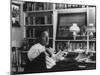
<point x="39" y="32"/>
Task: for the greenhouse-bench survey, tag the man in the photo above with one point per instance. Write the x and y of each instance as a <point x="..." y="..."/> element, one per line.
<point x="41" y="58"/>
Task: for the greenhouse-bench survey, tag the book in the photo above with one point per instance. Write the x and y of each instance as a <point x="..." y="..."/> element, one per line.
<point x="31" y="33"/>
<point x="39" y="6"/>
<point x="60" y="6"/>
<point x="33" y="6"/>
<point x="49" y="6"/>
<point x="28" y="20"/>
<point x="31" y="20"/>
<point x="49" y="19"/>
<point x="45" y="6"/>
<point x="25" y="6"/>
<point x="27" y="33"/>
<point x="69" y="6"/>
<point x="29" y="6"/>
<point x="40" y="20"/>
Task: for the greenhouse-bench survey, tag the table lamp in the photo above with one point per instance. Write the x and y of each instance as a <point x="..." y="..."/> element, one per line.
<point x="91" y="29"/>
<point x="75" y="29"/>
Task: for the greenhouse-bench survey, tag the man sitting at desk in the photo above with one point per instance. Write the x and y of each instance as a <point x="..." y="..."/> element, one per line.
<point x="41" y="58"/>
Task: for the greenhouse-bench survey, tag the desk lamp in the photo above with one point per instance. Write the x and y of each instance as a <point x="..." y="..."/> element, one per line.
<point x="75" y="29"/>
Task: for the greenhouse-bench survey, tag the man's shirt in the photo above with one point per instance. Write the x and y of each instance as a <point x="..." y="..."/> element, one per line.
<point x="36" y="50"/>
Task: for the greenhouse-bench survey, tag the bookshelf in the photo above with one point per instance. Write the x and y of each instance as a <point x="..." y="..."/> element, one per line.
<point x="53" y="17"/>
<point x="38" y="15"/>
<point x="64" y="37"/>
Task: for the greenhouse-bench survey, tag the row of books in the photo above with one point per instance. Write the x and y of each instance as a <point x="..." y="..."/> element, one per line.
<point x="67" y="6"/>
<point x="32" y="20"/>
<point x="30" y="32"/>
<point x="32" y="6"/>
<point x="74" y="46"/>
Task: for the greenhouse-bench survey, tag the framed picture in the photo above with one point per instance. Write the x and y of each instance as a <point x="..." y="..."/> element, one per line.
<point x="15" y="17"/>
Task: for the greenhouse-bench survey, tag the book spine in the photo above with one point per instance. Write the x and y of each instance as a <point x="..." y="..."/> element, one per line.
<point x="33" y="6"/>
<point x="33" y="20"/>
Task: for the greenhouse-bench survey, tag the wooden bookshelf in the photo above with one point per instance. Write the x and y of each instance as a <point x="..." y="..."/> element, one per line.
<point x="38" y="15"/>
<point x="64" y="36"/>
<point x="43" y="10"/>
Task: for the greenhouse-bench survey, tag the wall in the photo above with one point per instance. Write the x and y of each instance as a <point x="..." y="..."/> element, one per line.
<point x="91" y="15"/>
<point x="17" y="33"/>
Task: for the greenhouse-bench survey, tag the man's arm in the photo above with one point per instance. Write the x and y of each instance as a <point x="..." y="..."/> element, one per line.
<point x="33" y="53"/>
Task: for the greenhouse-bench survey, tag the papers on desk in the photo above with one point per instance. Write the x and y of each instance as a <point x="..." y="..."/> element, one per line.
<point x="84" y="58"/>
<point x="81" y="57"/>
<point x="90" y="61"/>
<point x="79" y="51"/>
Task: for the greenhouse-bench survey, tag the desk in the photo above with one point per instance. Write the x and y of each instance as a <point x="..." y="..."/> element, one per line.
<point x="72" y="65"/>
<point x="69" y="64"/>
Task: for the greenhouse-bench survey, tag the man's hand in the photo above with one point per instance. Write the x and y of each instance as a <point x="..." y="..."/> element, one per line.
<point x="50" y="51"/>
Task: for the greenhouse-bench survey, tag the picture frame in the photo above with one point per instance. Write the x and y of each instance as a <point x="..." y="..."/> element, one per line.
<point x="15" y="16"/>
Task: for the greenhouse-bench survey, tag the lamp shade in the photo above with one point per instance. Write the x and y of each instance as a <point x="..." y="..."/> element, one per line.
<point x="74" y="28"/>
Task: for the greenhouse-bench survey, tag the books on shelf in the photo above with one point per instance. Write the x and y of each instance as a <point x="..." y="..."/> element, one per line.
<point x="74" y="46"/>
<point x="39" y="6"/>
<point x="48" y="6"/>
<point x="30" y="33"/>
<point x="49" y="19"/>
<point x="60" y="6"/>
<point x="38" y="20"/>
<point x="70" y="46"/>
<point x="29" y="8"/>
<point x="50" y="32"/>
<point x="67" y="6"/>
<point x="29" y="20"/>
<point x="35" y="6"/>
<point x="27" y="33"/>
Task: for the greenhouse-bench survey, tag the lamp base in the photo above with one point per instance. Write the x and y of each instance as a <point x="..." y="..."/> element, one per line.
<point x="74" y="37"/>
